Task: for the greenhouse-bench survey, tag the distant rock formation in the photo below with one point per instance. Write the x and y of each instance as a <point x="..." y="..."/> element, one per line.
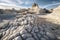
<point x="35" y="9"/>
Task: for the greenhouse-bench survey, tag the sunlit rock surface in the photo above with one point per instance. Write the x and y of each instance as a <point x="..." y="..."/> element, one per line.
<point x="30" y="27"/>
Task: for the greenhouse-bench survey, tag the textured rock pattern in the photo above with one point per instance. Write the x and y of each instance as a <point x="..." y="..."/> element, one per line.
<point x="27" y="27"/>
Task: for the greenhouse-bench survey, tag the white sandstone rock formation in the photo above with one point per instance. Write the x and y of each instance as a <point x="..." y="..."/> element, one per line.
<point x="29" y="27"/>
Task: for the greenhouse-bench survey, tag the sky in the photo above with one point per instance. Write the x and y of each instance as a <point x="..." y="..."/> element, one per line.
<point x="28" y="3"/>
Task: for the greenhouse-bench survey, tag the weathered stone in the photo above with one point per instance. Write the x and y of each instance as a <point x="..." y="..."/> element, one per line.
<point x="18" y="38"/>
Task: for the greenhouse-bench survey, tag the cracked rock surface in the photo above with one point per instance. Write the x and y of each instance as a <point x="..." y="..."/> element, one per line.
<point x="29" y="27"/>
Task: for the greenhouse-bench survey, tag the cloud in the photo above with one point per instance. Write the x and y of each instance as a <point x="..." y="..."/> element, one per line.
<point x="7" y="1"/>
<point x="27" y="2"/>
<point x="20" y="1"/>
<point x="15" y="2"/>
<point x="5" y="4"/>
<point x="51" y="5"/>
<point x="10" y="2"/>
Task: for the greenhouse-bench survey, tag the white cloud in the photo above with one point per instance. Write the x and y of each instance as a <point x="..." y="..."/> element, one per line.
<point x="14" y="3"/>
<point x="7" y="1"/>
<point x="10" y="2"/>
<point x="27" y="2"/>
<point x="20" y="1"/>
<point x="10" y="6"/>
<point x="7" y="4"/>
<point x="51" y="5"/>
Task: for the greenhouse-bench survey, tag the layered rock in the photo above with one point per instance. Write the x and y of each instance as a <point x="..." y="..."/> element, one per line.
<point x="29" y="27"/>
